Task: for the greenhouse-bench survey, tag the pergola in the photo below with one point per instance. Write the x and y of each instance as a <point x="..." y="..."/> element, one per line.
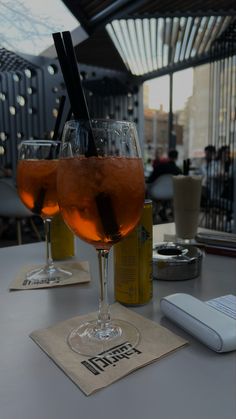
<point x="150" y="38"/>
<point x="147" y="39"/>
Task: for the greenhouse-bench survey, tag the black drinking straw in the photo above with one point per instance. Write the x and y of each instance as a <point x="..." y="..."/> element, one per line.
<point x="83" y="108"/>
<point x="59" y="118"/>
<point x="186" y="166"/>
<point x="68" y="117"/>
<point x="38" y="204"/>
<point x="107" y="216"/>
<point x="66" y="71"/>
<point x="70" y="71"/>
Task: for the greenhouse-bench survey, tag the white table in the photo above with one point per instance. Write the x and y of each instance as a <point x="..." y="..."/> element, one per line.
<point x="192" y="383"/>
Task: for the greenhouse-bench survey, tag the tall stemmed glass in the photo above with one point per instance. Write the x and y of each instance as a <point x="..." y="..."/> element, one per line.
<point x="36" y="183"/>
<point x="101" y="199"/>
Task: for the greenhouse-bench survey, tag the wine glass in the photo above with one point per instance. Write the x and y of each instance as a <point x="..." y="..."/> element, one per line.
<point x="101" y="199"/>
<point x="36" y="184"/>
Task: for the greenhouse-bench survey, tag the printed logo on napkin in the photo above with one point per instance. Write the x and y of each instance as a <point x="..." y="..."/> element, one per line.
<point x="98" y="364"/>
<point x="80" y="273"/>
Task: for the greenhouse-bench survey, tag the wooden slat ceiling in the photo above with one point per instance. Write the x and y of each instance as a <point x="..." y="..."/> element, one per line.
<point x="148" y="38"/>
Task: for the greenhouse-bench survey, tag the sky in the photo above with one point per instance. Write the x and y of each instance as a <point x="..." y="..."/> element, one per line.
<point x="26" y="25"/>
<point x="182" y="89"/>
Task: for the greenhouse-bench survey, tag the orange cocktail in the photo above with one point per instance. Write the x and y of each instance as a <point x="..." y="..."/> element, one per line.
<point x="37" y="183"/>
<point x="101" y="197"/>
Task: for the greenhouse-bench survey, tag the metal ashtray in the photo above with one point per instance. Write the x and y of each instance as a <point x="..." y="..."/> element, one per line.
<point x="174" y="262"/>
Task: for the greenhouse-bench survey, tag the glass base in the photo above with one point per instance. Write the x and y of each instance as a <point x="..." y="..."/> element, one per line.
<point x="47" y="274"/>
<point x="91" y="340"/>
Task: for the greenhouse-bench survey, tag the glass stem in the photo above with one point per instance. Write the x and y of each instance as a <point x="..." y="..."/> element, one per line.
<point x="104" y="316"/>
<point x="47" y="229"/>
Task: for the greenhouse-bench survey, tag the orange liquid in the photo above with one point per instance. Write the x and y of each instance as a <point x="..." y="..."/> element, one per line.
<point x="36" y="182"/>
<point x="101" y="198"/>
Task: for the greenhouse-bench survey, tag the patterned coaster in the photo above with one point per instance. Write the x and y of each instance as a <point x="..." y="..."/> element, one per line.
<point x="94" y="373"/>
<point x="80" y="273"/>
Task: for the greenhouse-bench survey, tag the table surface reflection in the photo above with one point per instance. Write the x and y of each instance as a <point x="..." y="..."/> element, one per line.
<point x="192" y="383"/>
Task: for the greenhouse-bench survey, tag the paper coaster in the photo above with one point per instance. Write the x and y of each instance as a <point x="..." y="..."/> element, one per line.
<point x="80" y="273"/>
<point x="94" y="373"/>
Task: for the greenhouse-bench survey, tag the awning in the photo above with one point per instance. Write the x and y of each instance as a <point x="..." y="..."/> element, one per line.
<point x="148" y="38"/>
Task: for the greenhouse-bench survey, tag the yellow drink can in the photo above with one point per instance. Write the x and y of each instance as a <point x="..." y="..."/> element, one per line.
<point x="62" y="239"/>
<point x="133" y="263"/>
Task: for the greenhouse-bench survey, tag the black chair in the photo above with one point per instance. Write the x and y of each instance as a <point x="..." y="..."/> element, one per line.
<point x="161" y="193"/>
<point x="11" y="207"/>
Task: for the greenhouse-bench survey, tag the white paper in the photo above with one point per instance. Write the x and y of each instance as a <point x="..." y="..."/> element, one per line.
<point x="226" y="304"/>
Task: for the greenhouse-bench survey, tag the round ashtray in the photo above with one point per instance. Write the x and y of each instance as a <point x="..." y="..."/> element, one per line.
<point x="175" y="262"/>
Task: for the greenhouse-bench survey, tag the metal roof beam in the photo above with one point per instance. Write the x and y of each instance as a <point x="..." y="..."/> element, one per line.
<point x="180" y="13"/>
<point x="79" y="14"/>
<point x="118" y="9"/>
<point x="192" y="62"/>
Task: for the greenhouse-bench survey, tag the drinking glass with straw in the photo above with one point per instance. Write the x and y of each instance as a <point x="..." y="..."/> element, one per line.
<point x="36" y="182"/>
<point x="101" y="196"/>
<point x="37" y="188"/>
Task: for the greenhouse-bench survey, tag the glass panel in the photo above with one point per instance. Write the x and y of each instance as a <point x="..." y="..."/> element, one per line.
<point x="26" y="25"/>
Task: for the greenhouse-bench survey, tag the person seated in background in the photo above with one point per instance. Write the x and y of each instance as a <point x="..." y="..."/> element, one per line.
<point x="224" y="173"/>
<point x="209" y="161"/>
<point x="218" y="183"/>
<point x="168" y="166"/>
<point x="207" y="170"/>
<point x="223" y="160"/>
<point x="159" y="157"/>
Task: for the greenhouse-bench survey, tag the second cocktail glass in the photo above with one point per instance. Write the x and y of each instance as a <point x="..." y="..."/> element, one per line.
<point x="101" y="198"/>
<point x="36" y="184"/>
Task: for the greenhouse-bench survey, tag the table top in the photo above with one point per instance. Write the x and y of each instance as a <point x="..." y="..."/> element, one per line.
<point x="193" y="383"/>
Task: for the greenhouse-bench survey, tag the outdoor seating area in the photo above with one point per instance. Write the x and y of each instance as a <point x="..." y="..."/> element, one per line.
<point x="31" y="86"/>
<point x="118" y="209"/>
